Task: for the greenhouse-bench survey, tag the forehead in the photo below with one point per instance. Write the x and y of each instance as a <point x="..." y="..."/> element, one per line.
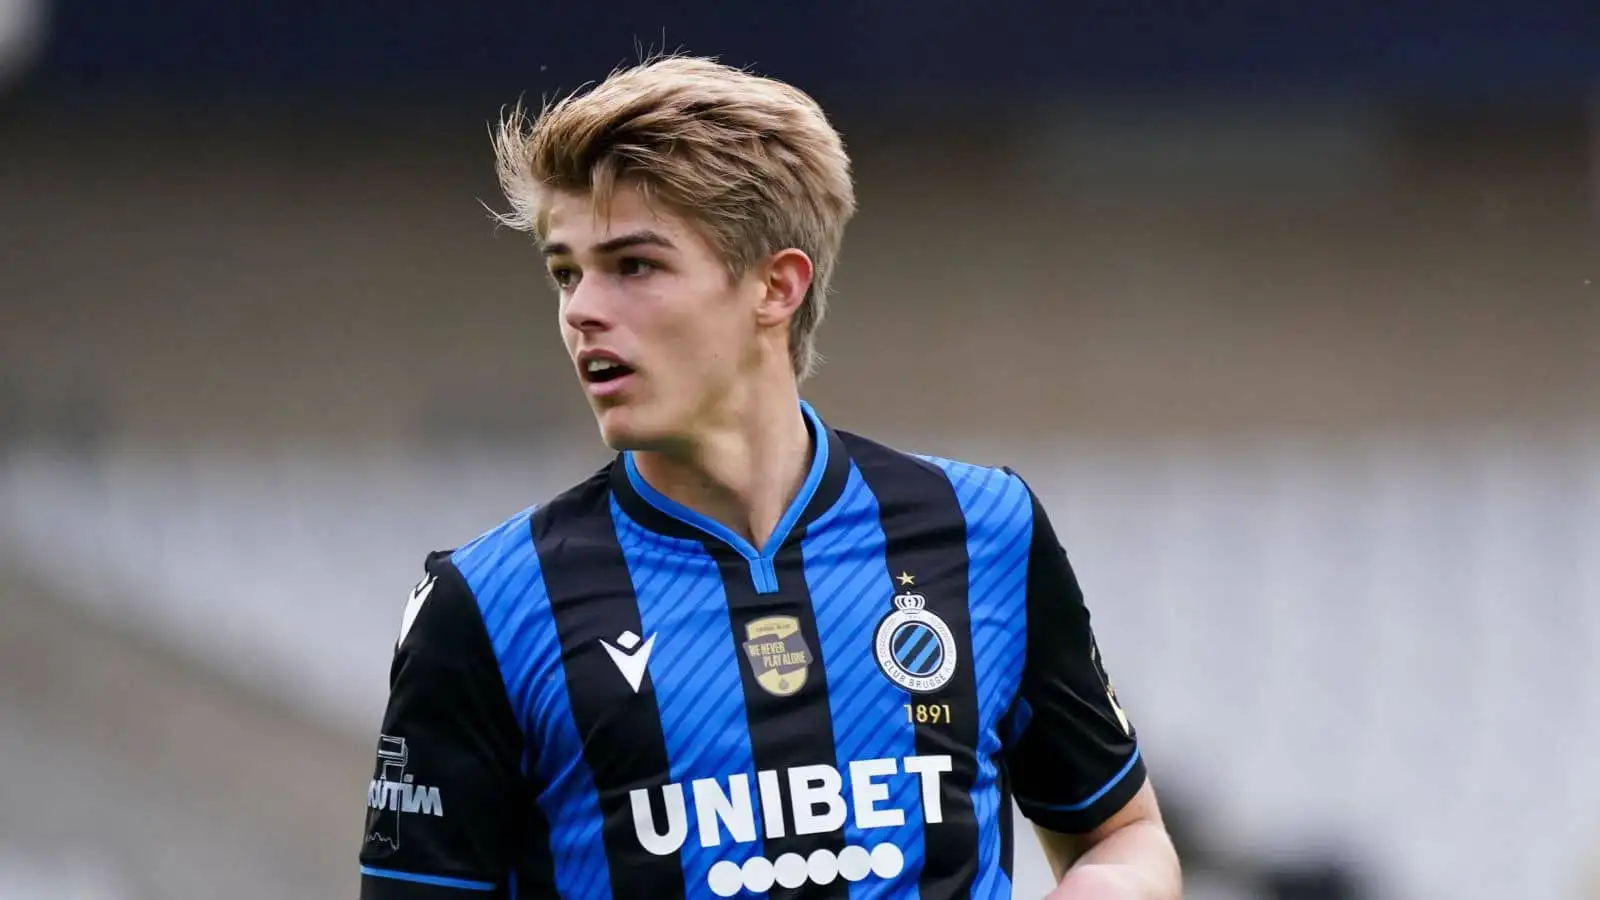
<point x="575" y="221"/>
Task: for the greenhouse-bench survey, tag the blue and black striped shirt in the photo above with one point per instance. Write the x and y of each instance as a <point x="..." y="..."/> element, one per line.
<point x="612" y="696"/>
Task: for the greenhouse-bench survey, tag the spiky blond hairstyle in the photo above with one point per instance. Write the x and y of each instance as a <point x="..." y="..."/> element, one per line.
<point x="752" y="161"/>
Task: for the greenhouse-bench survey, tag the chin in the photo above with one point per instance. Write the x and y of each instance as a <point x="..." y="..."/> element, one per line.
<point x="624" y="428"/>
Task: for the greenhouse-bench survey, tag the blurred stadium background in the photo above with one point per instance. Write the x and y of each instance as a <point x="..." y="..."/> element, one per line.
<point x="1290" y="314"/>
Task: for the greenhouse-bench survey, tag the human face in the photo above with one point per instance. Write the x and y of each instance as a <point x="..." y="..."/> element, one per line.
<point x="658" y="330"/>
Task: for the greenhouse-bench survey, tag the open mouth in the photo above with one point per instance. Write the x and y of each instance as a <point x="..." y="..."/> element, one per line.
<point x="603" y="371"/>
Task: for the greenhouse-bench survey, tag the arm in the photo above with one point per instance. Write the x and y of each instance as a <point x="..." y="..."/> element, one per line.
<point x="1072" y="753"/>
<point x="443" y="807"/>
<point x="1129" y="855"/>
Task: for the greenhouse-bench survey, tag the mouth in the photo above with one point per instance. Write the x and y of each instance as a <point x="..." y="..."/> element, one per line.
<point x="602" y="372"/>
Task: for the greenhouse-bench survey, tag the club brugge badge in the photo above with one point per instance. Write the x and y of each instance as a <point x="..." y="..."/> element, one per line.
<point x="914" y="647"/>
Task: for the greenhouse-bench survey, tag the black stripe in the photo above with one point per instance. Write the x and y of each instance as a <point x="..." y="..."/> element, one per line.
<point x="785" y="732"/>
<point x="927" y="539"/>
<point x="592" y="598"/>
<point x="535" y="865"/>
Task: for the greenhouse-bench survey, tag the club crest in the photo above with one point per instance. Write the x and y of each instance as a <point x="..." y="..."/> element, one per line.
<point x="914" y="647"/>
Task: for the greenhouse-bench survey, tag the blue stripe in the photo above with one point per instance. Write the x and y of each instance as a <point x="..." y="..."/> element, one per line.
<point x="847" y="572"/>
<point x="1104" y="789"/>
<point x="762" y="569"/>
<point x="999" y="516"/>
<point x="435" y="880"/>
<point x="695" y="669"/>
<point x="502" y="569"/>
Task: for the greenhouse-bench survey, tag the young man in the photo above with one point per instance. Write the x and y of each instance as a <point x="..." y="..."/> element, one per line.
<point x="753" y="655"/>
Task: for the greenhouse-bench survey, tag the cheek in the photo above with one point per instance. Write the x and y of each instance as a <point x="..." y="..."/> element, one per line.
<point x="699" y="324"/>
<point x="723" y="341"/>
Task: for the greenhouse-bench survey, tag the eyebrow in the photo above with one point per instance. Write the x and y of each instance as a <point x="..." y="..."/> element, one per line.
<point x="643" y="238"/>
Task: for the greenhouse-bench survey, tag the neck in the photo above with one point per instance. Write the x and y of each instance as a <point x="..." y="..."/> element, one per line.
<point x="743" y="472"/>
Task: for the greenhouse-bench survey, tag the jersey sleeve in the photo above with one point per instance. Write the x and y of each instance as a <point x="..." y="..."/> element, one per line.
<point x="1073" y="756"/>
<point x="443" y="804"/>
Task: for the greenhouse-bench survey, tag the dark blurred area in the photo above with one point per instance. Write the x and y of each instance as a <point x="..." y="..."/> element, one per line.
<point x="1289" y="314"/>
<point x="841" y="50"/>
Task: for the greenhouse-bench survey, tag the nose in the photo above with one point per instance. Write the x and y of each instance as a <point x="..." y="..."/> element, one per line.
<point x="586" y="308"/>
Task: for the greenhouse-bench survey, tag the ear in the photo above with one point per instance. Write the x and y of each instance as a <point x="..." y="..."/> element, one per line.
<point x="786" y="278"/>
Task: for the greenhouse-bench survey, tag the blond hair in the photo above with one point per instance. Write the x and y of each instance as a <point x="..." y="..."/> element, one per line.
<point x="752" y="161"/>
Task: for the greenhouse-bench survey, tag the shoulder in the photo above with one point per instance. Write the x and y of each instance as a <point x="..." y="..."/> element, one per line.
<point x="492" y="568"/>
<point x="444" y="615"/>
<point x="513" y="540"/>
<point x="991" y="497"/>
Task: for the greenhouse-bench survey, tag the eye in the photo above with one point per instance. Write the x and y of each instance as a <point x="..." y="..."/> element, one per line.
<point x="631" y="266"/>
<point x="563" y="276"/>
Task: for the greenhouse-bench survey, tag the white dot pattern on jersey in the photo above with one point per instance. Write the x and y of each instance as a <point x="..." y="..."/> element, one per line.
<point x="791" y="870"/>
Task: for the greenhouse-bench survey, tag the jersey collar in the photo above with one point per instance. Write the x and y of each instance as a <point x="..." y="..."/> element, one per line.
<point x="825" y="481"/>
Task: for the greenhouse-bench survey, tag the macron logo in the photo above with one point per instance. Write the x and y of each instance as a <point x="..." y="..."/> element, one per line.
<point x="631" y="657"/>
<point x="414" y="605"/>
